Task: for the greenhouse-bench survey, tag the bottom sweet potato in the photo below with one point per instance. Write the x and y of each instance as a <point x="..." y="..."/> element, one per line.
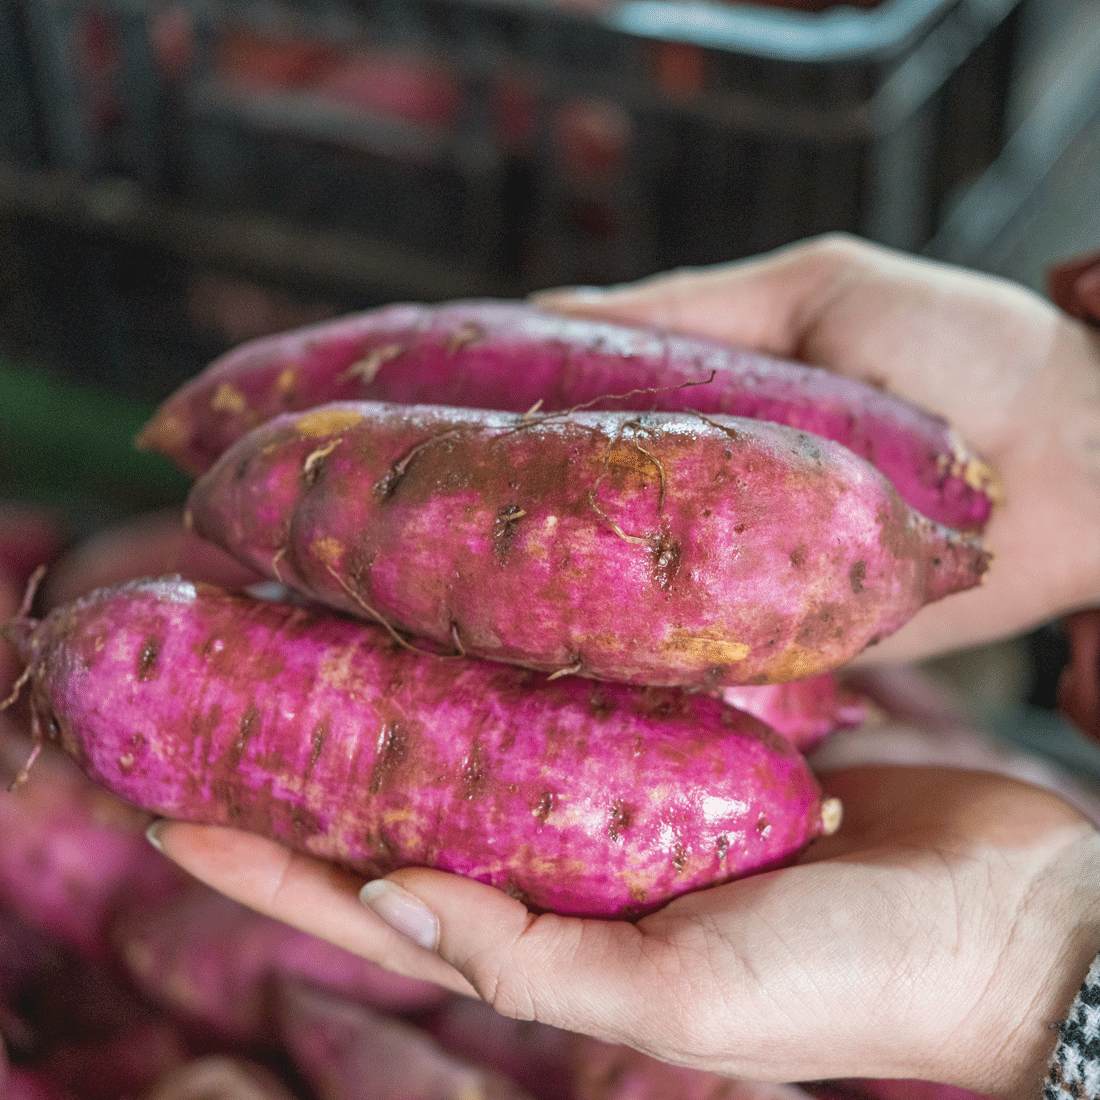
<point x="578" y="797"/>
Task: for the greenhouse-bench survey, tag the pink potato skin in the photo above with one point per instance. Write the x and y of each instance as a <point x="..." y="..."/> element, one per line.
<point x="803" y="711"/>
<point x="509" y="355"/>
<point x="152" y="544"/>
<point x="338" y="1045"/>
<point x="581" y="798"/>
<point x="219" y="1077"/>
<point x="71" y="851"/>
<point x="553" y="1064"/>
<point x="658" y="549"/>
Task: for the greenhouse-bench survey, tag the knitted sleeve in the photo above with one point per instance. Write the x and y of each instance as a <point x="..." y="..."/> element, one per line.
<point x="1075" y="1067"/>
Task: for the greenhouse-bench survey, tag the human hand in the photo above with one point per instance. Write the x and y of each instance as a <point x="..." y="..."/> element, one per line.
<point x="1018" y="380"/>
<point x="937" y="936"/>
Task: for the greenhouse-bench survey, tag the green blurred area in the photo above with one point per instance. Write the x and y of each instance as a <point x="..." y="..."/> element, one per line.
<point x="71" y="449"/>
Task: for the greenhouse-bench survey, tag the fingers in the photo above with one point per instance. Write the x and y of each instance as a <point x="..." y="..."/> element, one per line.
<point x="768" y="303"/>
<point x="582" y="975"/>
<point x="309" y="894"/>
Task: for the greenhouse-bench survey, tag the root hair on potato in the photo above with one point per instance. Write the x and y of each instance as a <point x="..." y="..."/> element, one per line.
<point x="377" y="615"/>
<point x="21" y="620"/>
<point x="384" y="488"/>
<point x="569" y="670"/>
<point x="636" y="540"/>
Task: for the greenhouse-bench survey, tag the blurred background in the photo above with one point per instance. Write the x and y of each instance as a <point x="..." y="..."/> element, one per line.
<point x="177" y="176"/>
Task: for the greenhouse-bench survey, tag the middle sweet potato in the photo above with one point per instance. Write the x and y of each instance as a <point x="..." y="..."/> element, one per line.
<point x="663" y="548"/>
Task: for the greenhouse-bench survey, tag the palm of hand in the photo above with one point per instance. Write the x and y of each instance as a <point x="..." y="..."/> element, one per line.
<point x="943" y="919"/>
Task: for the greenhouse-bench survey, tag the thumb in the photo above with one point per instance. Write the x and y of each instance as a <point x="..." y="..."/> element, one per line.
<point x="581" y="975"/>
<point x="766" y="303"/>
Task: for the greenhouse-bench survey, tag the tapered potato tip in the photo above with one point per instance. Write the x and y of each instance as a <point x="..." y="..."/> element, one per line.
<point x="955" y="562"/>
<point x="832" y="813"/>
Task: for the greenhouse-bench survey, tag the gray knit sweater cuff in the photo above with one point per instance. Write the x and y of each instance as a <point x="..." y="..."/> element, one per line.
<point x="1075" y="1067"/>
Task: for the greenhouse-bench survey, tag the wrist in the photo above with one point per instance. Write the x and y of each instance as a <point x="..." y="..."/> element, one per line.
<point x="1055" y="941"/>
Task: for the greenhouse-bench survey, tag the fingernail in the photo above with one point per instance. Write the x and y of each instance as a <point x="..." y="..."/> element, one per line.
<point x="152" y="833"/>
<point x="402" y="912"/>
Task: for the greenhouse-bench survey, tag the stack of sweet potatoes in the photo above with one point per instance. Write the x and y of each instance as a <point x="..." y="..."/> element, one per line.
<point x="561" y="608"/>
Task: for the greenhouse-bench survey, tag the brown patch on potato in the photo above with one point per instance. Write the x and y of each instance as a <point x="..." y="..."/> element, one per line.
<point x="822" y="625"/>
<point x="707" y="646"/>
<point x="317" y="423"/>
<point x="228" y="399"/>
<point x="504" y="530"/>
<point x="543" y="807"/>
<point x="248" y="728"/>
<point x="799" y="555"/>
<point x="665" y="554"/>
<point x="599" y="704"/>
<point x="392" y="749"/>
<point x="857" y="575"/>
<point x="317" y="739"/>
<point x="620" y="816"/>
<point x="147" y="667"/>
<point x="473" y="773"/>
<point x="679" y="857"/>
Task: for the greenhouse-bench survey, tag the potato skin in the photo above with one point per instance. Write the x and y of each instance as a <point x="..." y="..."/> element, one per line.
<point x="581" y="798"/>
<point x="659" y="549"/>
<point x="510" y="355"/>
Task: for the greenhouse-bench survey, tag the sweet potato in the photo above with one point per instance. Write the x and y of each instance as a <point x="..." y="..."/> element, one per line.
<point x="152" y="544"/>
<point x="214" y="962"/>
<point x="508" y="355"/>
<point x="72" y="852"/>
<point x="582" y="798"/>
<point x="26" y="1084"/>
<point x="666" y="548"/>
<point x="803" y="711"/>
<point x="553" y="1064"/>
<point x="75" y="1021"/>
<point x="219" y="1077"/>
<point x="338" y="1046"/>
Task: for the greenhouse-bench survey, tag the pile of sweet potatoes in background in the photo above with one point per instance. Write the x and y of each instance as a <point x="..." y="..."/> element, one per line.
<point x="120" y="977"/>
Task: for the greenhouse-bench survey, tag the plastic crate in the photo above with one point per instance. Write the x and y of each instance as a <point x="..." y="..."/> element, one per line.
<point x="20" y="131"/>
<point x="544" y="143"/>
<point x="134" y="319"/>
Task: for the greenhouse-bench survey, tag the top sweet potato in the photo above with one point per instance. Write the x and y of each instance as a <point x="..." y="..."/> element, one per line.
<point x="510" y="356"/>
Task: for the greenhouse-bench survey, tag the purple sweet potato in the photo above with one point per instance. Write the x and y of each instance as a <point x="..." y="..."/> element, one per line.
<point x="153" y="544"/>
<point x="219" y="1077"/>
<point x="340" y="1046"/>
<point x="660" y="549"/>
<point x="75" y="1022"/>
<point x="803" y="711"/>
<point x="510" y="356"/>
<point x="325" y="733"/>
<point x="28" y="1084"/>
<point x="214" y="962"/>
<point x="71" y="850"/>
<point x="553" y="1064"/>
